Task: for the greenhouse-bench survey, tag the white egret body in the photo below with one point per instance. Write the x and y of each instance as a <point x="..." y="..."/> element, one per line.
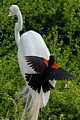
<point x="30" y="44"/>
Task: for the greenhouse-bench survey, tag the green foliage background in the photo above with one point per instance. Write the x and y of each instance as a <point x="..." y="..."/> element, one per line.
<point x="58" y="21"/>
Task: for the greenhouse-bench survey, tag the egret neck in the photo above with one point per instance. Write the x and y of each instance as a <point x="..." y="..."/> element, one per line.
<point x="18" y="27"/>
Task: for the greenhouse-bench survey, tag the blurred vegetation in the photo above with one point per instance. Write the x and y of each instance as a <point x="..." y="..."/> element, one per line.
<point x="58" y="21"/>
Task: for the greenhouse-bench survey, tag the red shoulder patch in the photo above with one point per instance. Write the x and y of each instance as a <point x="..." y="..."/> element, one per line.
<point x="46" y="62"/>
<point x="55" y="66"/>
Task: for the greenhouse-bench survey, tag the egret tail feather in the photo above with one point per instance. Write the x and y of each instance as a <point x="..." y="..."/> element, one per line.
<point x="32" y="104"/>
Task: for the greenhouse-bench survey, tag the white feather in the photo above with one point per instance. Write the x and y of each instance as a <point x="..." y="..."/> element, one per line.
<point x="53" y="82"/>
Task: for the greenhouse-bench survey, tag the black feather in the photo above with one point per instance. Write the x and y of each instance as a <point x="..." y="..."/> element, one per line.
<point x="59" y="74"/>
<point x="36" y="63"/>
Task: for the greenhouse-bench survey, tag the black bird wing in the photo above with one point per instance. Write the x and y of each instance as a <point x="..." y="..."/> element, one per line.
<point x="59" y="74"/>
<point x="33" y="81"/>
<point x="37" y="63"/>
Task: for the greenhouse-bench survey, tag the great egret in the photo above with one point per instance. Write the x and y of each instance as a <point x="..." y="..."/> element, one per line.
<point x="37" y="67"/>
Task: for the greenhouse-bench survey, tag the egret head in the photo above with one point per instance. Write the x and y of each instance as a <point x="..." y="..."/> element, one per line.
<point x="13" y="10"/>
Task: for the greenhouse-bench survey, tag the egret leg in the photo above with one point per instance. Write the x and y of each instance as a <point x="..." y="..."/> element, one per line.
<point x="41" y="117"/>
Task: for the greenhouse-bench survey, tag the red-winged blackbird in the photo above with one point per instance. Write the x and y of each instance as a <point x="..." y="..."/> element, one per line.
<point x="46" y="71"/>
